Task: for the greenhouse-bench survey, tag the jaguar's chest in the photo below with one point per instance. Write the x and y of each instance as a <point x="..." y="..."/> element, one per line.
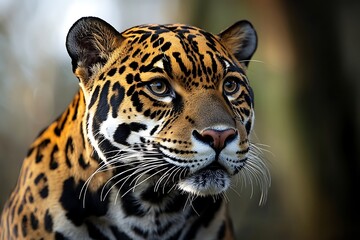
<point x="145" y="214"/>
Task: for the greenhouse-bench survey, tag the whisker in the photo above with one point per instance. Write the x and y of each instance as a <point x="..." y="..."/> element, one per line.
<point x="138" y="177"/>
<point x="158" y="182"/>
<point x="121" y="158"/>
<point x="252" y="60"/>
<point x="192" y="206"/>
<point x="138" y="184"/>
<point x="137" y="168"/>
<point x="168" y="178"/>
<point x="235" y="191"/>
<point x="102" y="168"/>
<point x="223" y="196"/>
<point x="186" y="202"/>
<point x="175" y="172"/>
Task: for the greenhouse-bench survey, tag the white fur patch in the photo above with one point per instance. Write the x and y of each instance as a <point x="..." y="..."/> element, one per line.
<point x="159" y="64"/>
<point x="206" y="183"/>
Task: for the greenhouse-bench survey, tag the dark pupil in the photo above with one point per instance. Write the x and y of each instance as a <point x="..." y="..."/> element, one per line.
<point x="158" y="87"/>
<point x="230" y="86"/>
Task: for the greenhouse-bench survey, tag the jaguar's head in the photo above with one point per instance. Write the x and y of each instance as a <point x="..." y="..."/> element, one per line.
<point x="168" y="104"/>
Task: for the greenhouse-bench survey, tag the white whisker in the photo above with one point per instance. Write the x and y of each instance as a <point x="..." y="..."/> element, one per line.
<point x="168" y="178"/>
<point x="163" y="176"/>
<point x="137" y="168"/>
<point x="256" y="172"/>
<point x="128" y="156"/>
<point x="138" y="184"/>
<point x="252" y="60"/>
<point x="143" y="173"/>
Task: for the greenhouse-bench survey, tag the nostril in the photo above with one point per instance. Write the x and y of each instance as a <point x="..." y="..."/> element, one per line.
<point x="203" y="138"/>
<point x="216" y="138"/>
<point x="207" y="139"/>
<point x="231" y="136"/>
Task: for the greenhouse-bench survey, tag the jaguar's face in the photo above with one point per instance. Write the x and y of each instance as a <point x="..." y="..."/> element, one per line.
<point x="169" y="104"/>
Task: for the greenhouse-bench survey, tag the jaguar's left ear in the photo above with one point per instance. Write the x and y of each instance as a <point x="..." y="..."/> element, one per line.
<point x="241" y="40"/>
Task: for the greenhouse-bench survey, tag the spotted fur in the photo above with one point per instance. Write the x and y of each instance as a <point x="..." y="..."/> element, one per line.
<point x="149" y="144"/>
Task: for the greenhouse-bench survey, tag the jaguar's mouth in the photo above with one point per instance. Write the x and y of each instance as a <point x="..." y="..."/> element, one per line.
<point x="215" y="165"/>
<point x="210" y="180"/>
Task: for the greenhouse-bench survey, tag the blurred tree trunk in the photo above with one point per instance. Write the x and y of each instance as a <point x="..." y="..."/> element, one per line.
<point x="327" y="100"/>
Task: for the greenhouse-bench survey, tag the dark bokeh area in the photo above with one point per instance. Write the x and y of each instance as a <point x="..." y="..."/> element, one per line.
<point x="307" y="99"/>
<point x="326" y="38"/>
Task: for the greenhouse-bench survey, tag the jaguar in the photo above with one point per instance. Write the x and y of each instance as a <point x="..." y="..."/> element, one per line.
<point x="150" y="143"/>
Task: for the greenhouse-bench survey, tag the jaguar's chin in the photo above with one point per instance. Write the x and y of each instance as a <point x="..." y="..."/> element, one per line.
<point x="206" y="182"/>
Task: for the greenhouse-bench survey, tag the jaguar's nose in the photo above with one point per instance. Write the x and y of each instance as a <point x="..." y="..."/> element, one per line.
<point x="217" y="139"/>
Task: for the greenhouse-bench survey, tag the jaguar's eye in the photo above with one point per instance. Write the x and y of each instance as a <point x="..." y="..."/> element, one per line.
<point x="159" y="88"/>
<point x="231" y="86"/>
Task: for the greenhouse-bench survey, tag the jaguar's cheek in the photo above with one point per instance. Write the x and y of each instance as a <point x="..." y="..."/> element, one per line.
<point x="121" y="134"/>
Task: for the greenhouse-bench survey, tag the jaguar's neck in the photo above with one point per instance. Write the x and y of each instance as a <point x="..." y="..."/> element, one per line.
<point x="70" y="128"/>
<point x="72" y="153"/>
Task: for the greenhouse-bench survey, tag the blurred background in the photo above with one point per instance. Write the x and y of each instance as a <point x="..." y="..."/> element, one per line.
<point x="306" y="80"/>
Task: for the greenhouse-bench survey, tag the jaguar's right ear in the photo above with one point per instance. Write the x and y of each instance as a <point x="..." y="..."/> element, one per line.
<point x="90" y="42"/>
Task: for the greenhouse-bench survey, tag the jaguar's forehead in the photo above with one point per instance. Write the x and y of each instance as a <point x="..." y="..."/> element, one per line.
<point x="174" y="37"/>
<point x="182" y="31"/>
<point x="187" y="52"/>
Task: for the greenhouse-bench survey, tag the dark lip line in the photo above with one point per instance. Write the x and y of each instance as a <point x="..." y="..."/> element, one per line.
<point x="213" y="166"/>
<point x="179" y="160"/>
